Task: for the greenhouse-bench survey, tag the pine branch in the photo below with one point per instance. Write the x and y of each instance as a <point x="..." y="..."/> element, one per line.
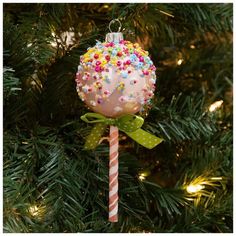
<point x="11" y="84"/>
<point x="185" y="119"/>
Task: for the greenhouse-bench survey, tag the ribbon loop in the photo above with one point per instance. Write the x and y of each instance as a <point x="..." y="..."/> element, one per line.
<point x="130" y="124"/>
<point x="91" y="117"/>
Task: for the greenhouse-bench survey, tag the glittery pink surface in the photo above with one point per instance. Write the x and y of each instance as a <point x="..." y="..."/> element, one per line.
<point x="116" y="78"/>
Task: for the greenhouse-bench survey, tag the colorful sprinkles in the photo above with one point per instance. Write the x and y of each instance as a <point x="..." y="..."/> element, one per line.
<point x="128" y="60"/>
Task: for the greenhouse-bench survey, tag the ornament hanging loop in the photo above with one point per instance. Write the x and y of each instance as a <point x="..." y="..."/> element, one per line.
<point x="113" y="22"/>
<point x="114" y="37"/>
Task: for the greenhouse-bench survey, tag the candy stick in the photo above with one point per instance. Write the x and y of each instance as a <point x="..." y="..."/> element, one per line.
<point x="113" y="174"/>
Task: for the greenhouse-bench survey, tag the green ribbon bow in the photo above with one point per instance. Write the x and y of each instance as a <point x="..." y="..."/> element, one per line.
<point x="129" y="124"/>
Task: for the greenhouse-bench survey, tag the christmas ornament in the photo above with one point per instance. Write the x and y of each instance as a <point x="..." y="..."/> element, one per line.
<point x="116" y="79"/>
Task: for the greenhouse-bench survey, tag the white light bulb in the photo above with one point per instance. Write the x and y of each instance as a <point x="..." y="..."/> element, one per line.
<point x="142" y="177"/>
<point x="180" y="61"/>
<point x="34" y="210"/>
<point x="193" y="188"/>
<point x="215" y="105"/>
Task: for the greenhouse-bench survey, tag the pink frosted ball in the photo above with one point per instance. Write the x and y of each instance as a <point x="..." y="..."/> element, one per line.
<point x="114" y="79"/>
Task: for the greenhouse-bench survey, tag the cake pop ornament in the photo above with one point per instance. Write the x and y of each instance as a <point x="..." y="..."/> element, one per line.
<point x="113" y="69"/>
<point x="115" y="79"/>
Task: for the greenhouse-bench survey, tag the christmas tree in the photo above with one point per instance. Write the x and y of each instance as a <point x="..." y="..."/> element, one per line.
<point x="51" y="184"/>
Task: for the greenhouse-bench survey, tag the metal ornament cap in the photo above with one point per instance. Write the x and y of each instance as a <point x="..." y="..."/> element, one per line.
<point x="114" y="37"/>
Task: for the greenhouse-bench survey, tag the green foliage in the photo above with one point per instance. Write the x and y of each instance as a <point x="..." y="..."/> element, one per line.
<point x="10" y="82"/>
<point x="181" y="120"/>
<point x="52" y="185"/>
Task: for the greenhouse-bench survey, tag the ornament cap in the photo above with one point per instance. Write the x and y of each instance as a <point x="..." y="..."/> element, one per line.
<point x="114" y="37"/>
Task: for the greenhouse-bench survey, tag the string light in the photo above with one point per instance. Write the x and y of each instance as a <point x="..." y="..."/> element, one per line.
<point x="192" y="46"/>
<point x="34" y="210"/>
<point x="180" y="61"/>
<point x="37" y="211"/>
<point x="215" y="105"/>
<point x="194" y="188"/>
<point x="24" y="142"/>
<point x="200" y="182"/>
<point x="142" y="177"/>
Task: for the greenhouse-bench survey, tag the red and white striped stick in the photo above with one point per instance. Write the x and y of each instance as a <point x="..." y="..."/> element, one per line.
<point x="113" y="174"/>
